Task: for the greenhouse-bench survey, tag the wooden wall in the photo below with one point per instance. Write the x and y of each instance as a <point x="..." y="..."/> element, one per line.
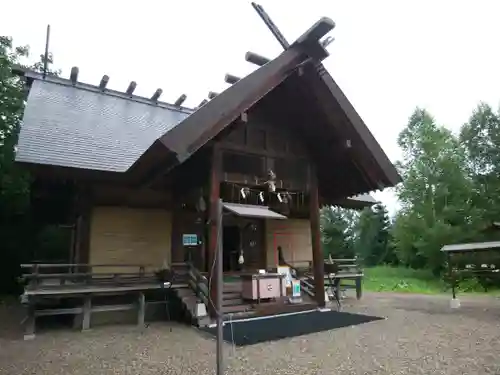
<point x="294" y="237"/>
<point x="120" y="235"/>
<point x="264" y="142"/>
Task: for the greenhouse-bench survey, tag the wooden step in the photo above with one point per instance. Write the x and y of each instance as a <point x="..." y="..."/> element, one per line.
<point x="232" y="287"/>
<point x="233" y="302"/>
<point x="231" y="295"/>
<point x="236" y="308"/>
<point x="181" y="292"/>
<point x="179" y="265"/>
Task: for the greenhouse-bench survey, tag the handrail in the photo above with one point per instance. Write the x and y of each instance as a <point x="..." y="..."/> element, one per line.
<point x="198" y="284"/>
<point x="65" y="265"/>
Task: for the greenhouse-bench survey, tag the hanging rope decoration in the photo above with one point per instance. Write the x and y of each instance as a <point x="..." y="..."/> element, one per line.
<point x="284" y="197"/>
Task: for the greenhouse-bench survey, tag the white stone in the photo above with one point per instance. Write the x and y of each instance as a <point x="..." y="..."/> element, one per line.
<point x="200" y="310"/>
<point x="454" y="303"/>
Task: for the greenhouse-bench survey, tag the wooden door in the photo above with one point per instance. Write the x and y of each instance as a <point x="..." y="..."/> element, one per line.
<point x="253" y="243"/>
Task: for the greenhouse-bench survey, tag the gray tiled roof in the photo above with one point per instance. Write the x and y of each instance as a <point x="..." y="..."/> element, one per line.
<point x="84" y="128"/>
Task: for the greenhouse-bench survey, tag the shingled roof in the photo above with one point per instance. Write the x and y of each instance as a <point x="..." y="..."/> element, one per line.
<point x="80" y="126"/>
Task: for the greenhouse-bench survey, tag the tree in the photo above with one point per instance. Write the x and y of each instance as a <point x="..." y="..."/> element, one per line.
<point x="337" y="231"/>
<point x="435" y="195"/>
<point x="372" y="236"/>
<point x="16" y="234"/>
<point x="481" y="139"/>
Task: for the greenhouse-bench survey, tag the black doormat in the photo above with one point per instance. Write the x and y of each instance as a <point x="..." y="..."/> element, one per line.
<point x="255" y="331"/>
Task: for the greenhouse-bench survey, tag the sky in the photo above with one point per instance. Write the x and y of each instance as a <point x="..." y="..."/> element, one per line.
<point x="388" y="56"/>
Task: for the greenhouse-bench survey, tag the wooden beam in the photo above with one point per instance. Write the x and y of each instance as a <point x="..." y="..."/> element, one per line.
<point x="317" y="253"/>
<point x="180" y="100"/>
<point x="209" y="120"/>
<point x="131" y="87"/>
<point x="215" y="181"/>
<point x="104" y="82"/>
<point x="256" y="59"/>
<point x="229" y="78"/>
<point x="156" y="95"/>
<point x="74" y="75"/>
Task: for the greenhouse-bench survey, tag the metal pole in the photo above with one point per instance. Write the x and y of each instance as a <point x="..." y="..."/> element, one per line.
<point x="46" y="56"/>
<point x="218" y="302"/>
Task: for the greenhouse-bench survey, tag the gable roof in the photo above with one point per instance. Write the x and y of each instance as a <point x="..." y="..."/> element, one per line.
<point x="81" y="126"/>
<point x="295" y="72"/>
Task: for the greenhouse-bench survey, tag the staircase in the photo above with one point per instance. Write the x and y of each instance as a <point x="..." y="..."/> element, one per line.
<point x="187" y="291"/>
<point x="191" y="287"/>
<point x="232" y="303"/>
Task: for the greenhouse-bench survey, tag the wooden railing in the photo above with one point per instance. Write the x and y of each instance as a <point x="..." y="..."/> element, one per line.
<point x="199" y="284"/>
<point x="336" y="273"/>
<point x="53" y="275"/>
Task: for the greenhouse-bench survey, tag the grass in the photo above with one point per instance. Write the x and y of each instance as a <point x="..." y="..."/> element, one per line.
<point x="407" y="280"/>
<point x="398" y="279"/>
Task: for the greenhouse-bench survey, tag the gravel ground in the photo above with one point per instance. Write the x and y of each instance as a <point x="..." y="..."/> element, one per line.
<point x="421" y="335"/>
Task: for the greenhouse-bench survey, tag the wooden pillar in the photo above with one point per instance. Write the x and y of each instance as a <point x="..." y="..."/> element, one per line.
<point x="215" y="180"/>
<point x="87" y="311"/>
<point x="29" y="333"/>
<point x="318" y="259"/>
<point x="141" y="309"/>
<point x="177" y="255"/>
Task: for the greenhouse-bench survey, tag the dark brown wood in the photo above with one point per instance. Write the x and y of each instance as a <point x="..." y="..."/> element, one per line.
<point x="324" y="87"/>
<point x="157" y="95"/>
<point x="231" y="79"/>
<point x="318" y="260"/>
<point x="29" y="330"/>
<point x="141" y="309"/>
<point x="110" y="195"/>
<point x="215" y="181"/>
<point x="84" y="228"/>
<point x="176" y="239"/>
<point x="131" y="88"/>
<point x="208" y="121"/>
<point x="87" y="311"/>
<point x="180" y="100"/>
<point x="104" y="82"/>
<point x="256" y="59"/>
<point x="74" y="75"/>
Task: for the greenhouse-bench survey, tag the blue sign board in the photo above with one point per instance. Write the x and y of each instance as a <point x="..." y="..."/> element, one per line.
<point x="190" y="240"/>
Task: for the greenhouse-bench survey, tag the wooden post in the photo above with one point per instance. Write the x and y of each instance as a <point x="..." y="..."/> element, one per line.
<point x="87" y="310"/>
<point x="215" y="175"/>
<point x="141" y="309"/>
<point x="359" y="291"/>
<point x="29" y="332"/>
<point x="317" y="253"/>
<point x="452" y="276"/>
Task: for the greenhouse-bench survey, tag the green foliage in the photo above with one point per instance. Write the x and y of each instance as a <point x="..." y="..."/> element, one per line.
<point x="481" y="139"/>
<point x="337" y="230"/>
<point x="436" y="194"/>
<point x="372" y="236"/>
<point x="17" y="231"/>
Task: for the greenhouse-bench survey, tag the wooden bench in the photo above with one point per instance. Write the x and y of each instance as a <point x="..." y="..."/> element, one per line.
<point x="84" y="286"/>
<point x="338" y="271"/>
